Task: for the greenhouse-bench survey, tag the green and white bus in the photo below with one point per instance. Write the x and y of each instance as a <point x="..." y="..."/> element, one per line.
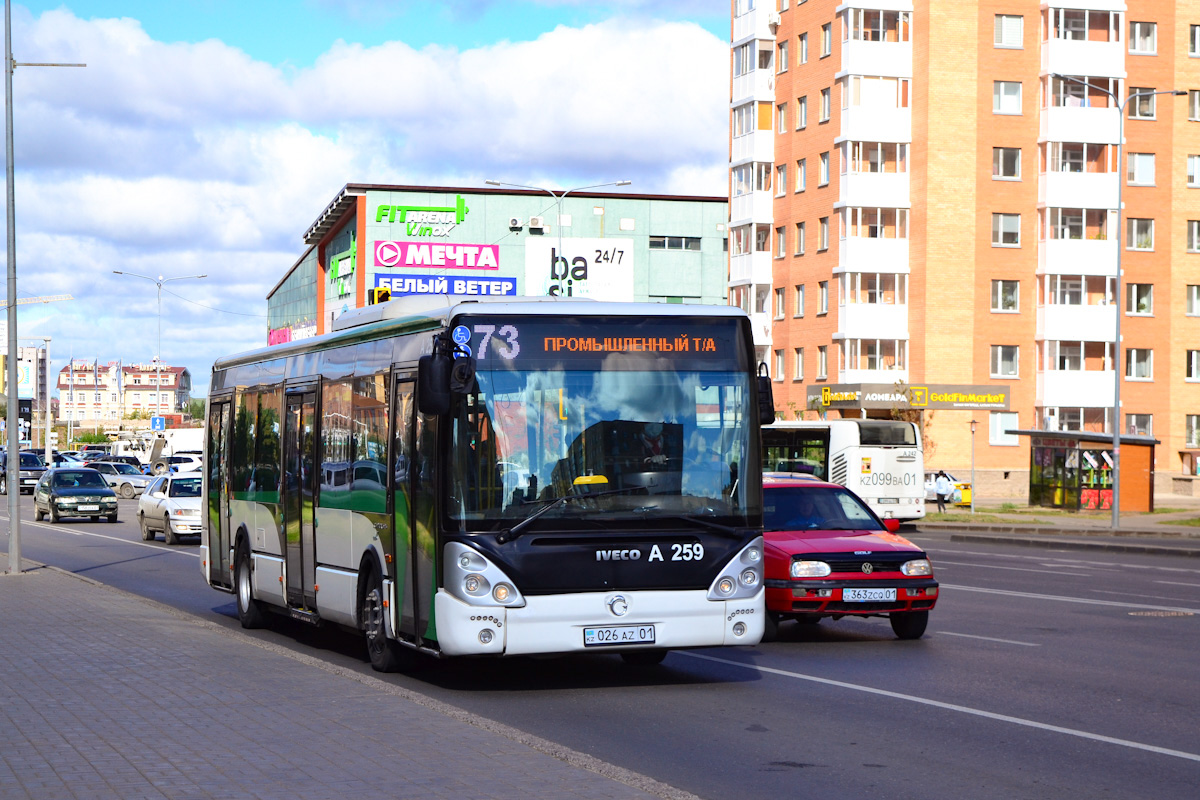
<point x="468" y="476"/>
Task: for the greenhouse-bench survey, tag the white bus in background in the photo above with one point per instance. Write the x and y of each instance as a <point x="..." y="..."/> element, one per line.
<point x="879" y="460"/>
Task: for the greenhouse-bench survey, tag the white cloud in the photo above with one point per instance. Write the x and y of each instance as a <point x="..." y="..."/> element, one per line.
<point x="176" y="159"/>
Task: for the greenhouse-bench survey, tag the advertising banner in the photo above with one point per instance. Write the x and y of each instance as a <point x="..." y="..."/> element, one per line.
<point x="601" y="269"/>
<point x="883" y="396"/>
<point x="404" y="284"/>
<point x="436" y="256"/>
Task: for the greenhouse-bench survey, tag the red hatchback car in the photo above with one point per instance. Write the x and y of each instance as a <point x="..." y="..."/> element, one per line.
<point x="828" y="555"/>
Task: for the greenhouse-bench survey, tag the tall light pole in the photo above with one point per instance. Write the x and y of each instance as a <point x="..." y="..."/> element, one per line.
<point x="558" y="198"/>
<point x="973" y="424"/>
<point x="13" y="465"/>
<point x="46" y="401"/>
<point x="159" y="281"/>
<point x="1118" y="301"/>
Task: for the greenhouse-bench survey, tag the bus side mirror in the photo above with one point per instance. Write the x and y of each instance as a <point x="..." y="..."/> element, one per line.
<point x="766" y="398"/>
<point x="433" y="384"/>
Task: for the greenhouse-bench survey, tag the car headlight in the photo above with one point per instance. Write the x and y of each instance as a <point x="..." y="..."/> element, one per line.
<point x="917" y="567"/>
<point x="66" y="501"/>
<point x="810" y="569"/>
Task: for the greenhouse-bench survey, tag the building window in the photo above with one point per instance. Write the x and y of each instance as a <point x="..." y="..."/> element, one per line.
<point x="781" y="118"/>
<point x="823" y="178"/>
<point x="779" y="301"/>
<point x="823" y="233"/>
<point x="1191" y="430"/>
<point x="826" y="39"/>
<point x="802" y="56"/>
<point x="1006" y="230"/>
<point x="1194" y="105"/>
<point x="999" y="422"/>
<point x="801" y="113"/>
<point x="798" y="368"/>
<point x="1139" y="424"/>
<point x="1139" y="234"/>
<point x="781" y="180"/>
<point x="798" y="311"/>
<point x="801" y="174"/>
<point x="1006" y="163"/>
<point x="778" y="366"/>
<point x="1139" y="299"/>
<point x="822" y="363"/>
<point x="1193" y="166"/>
<point x="1004" y="360"/>
<point x="1193" y="365"/>
<point x="780" y="242"/>
<point x="822" y="297"/>
<point x="1010" y="29"/>
<point x="675" y="243"/>
<point x="1006" y="97"/>
<point x="1194" y="40"/>
<point x="1141" y="107"/>
<point x="824" y="110"/>
<point x="1193" y="236"/>
<point x="1143" y="38"/>
<point x="781" y="59"/>
<point x="1141" y="169"/>
<point x="743" y="120"/>
<point x="1193" y="300"/>
<point x="800" y="242"/>
<point x="1006" y="297"/>
<point x="743" y="60"/>
<point x="1139" y="364"/>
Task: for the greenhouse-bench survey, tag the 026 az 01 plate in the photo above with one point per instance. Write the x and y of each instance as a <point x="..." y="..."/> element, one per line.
<point x="609" y="635"/>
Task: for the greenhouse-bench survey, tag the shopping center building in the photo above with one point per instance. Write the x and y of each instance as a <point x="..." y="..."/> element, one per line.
<point x="500" y="242"/>
<point x="925" y="193"/>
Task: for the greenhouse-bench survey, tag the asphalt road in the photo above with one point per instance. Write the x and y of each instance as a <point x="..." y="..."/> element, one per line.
<point x="1053" y="673"/>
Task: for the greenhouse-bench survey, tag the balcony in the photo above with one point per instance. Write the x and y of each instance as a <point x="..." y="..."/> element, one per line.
<point x="893" y="59"/>
<point x="1076" y="124"/>
<point x="755" y="23"/>
<point x="874" y="190"/>
<point x="758" y="84"/>
<point x="888" y="376"/>
<point x="1076" y="323"/>
<point x="757" y="146"/>
<point x="1078" y="257"/>
<point x="877" y="124"/>
<point x="752" y="207"/>
<point x="760" y="324"/>
<point x="1078" y="189"/>
<point x="873" y="321"/>
<point x="750" y="268"/>
<point x="1082" y="57"/>
<point x="857" y="254"/>
<point x="1078" y="388"/>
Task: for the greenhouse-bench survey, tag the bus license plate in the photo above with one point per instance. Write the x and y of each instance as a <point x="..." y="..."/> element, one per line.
<point x="868" y="595"/>
<point x="888" y="500"/>
<point x="618" y="634"/>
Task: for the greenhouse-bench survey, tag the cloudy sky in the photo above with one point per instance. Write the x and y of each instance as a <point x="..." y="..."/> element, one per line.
<point x="204" y="136"/>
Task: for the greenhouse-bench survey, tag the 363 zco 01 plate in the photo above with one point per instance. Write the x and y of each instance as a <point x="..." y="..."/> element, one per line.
<point x="868" y="595"/>
<point x="609" y="635"/>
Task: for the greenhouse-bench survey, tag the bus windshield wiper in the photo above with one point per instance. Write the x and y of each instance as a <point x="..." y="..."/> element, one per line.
<point x="508" y="534"/>
<point x="728" y="530"/>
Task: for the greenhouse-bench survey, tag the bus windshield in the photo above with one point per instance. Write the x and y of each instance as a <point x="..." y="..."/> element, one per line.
<point x="649" y="435"/>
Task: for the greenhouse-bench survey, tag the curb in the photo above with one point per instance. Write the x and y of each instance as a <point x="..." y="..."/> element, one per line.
<point x="1075" y="544"/>
<point x="1050" y="530"/>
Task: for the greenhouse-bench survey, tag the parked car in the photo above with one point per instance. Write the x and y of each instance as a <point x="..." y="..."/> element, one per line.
<point x="30" y="469"/>
<point x="125" y="479"/>
<point x="828" y="555"/>
<point x="177" y="463"/>
<point x="171" y="504"/>
<point x="960" y="496"/>
<point x="108" y="458"/>
<point x="73" y="492"/>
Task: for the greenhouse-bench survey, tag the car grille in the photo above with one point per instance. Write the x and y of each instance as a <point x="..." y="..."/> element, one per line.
<point x="878" y="563"/>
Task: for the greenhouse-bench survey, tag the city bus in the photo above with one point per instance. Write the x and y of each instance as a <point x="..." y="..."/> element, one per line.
<point x="494" y="477"/>
<point x="879" y="460"/>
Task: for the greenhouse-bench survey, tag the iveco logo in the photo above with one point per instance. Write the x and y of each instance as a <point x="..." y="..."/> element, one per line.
<point x="618" y="605"/>
<point x="867" y="568"/>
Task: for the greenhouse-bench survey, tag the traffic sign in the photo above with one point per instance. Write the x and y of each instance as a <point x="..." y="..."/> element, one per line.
<point x="158" y="423"/>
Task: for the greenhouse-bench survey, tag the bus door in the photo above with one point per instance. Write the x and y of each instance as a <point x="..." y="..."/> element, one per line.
<point x="299" y="497"/>
<point x="403" y="405"/>
<point x="218" y="493"/>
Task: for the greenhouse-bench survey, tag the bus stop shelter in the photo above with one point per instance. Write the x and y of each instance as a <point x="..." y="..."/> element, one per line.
<point x="1072" y="470"/>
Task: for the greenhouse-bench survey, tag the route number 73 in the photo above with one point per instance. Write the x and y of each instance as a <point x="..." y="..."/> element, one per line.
<point x="509" y="349"/>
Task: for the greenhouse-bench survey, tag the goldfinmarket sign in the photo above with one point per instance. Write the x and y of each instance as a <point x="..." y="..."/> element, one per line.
<point x="883" y="396"/>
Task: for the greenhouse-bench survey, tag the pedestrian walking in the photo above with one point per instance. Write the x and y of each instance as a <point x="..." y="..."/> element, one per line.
<point x="943" y="487"/>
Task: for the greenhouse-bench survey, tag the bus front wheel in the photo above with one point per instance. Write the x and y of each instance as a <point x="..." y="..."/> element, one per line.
<point x="250" y="611"/>
<point x="386" y="655"/>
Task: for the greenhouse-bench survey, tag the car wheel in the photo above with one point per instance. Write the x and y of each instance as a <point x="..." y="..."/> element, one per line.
<point x="127" y="490"/>
<point x="386" y="655"/>
<point x="112" y="517"/>
<point x="147" y="534"/>
<point x="38" y="514"/>
<point x="643" y="658"/>
<point x="251" y="612"/>
<point x="909" y="624"/>
<point x="169" y="535"/>
<point x="54" y="517"/>
<point x="770" y="627"/>
<point x="3" y="485"/>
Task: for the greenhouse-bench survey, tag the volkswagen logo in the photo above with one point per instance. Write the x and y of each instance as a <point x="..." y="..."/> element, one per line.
<point x="867" y="568"/>
<point x="618" y="605"/>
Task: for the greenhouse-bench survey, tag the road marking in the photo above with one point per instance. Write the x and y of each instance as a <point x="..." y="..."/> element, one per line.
<point x="1104" y="564"/>
<point x="1177" y="583"/>
<point x="1061" y="599"/>
<point x="939" y="562"/>
<point x="987" y="638"/>
<point x="161" y="548"/>
<point x="1131" y="594"/>
<point x="1028" y="723"/>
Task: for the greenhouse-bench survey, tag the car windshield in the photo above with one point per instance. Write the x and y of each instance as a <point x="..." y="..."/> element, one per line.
<point x="185" y="487"/>
<point x="30" y="461"/>
<point x="800" y="508"/>
<point x="126" y="469"/>
<point x="73" y="478"/>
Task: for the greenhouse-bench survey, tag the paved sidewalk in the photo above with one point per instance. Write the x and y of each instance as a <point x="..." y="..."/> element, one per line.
<point x="108" y="695"/>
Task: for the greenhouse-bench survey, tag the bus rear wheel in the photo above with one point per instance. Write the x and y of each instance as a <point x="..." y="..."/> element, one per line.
<point x="250" y="611"/>
<point x="386" y="655"/>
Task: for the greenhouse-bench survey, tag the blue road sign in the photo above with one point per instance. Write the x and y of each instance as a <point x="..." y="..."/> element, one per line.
<point x="158" y="423"/>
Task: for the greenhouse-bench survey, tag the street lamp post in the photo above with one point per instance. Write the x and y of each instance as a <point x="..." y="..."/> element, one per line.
<point x="558" y="198"/>
<point x="159" y="281"/>
<point x="46" y="402"/>
<point x="1117" y="360"/>
<point x="973" y="424"/>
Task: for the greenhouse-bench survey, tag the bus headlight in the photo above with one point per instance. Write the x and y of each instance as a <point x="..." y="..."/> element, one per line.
<point x="501" y="593"/>
<point x="917" y="567"/>
<point x="472" y="578"/>
<point x="725" y="586"/>
<point x="475" y="585"/>
<point x="749" y="578"/>
<point x="810" y="569"/>
<point x="741" y="576"/>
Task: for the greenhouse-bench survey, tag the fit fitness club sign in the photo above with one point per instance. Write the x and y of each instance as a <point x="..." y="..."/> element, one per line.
<point x="883" y="396"/>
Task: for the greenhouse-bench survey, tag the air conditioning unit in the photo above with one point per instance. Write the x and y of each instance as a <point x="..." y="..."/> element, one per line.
<point x="774" y="19"/>
<point x="537" y="222"/>
<point x="515" y="222"/>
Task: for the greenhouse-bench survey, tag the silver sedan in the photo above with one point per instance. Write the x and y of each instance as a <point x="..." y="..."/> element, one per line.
<point x="125" y="479"/>
<point x="171" y="505"/>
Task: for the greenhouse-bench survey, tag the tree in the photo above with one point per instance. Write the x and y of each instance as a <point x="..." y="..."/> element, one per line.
<point x="195" y="407"/>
